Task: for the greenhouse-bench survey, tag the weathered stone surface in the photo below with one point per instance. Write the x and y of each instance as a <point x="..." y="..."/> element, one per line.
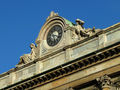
<point x="4" y="81"/>
<point x="53" y="61"/>
<point x="85" y="75"/>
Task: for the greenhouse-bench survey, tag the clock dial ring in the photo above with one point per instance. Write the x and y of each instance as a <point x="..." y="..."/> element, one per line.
<point x="54" y="35"/>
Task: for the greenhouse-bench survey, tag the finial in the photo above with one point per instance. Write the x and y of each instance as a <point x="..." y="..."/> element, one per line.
<point x="52" y="14"/>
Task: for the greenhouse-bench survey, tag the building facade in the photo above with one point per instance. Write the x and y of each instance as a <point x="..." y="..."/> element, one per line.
<point x="68" y="57"/>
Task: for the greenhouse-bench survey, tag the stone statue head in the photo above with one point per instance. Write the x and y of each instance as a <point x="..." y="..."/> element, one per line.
<point x="79" y="22"/>
<point x="32" y="45"/>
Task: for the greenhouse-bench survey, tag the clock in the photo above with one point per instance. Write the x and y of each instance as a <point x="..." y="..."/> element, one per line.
<point x="54" y="35"/>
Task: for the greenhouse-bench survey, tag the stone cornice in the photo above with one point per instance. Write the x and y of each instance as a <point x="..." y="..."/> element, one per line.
<point x="69" y="68"/>
<point x="112" y="27"/>
<point x="63" y="49"/>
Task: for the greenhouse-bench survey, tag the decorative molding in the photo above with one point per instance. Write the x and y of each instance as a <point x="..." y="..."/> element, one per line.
<point x="48" y="55"/>
<point x="68" y="68"/>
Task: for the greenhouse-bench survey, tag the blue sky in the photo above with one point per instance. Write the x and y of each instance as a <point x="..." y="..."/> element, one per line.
<point x="21" y="20"/>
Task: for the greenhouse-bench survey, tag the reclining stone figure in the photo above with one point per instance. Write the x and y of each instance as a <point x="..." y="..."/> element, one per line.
<point x="26" y="58"/>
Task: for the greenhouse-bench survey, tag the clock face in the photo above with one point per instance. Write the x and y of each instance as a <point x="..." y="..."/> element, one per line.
<point x="54" y="35"/>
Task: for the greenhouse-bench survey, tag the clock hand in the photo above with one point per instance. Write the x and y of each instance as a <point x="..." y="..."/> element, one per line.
<point x="52" y="37"/>
<point x="55" y="36"/>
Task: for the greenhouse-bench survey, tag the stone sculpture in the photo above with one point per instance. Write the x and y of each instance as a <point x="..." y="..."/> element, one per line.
<point x="26" y="58"/>
<point x="80" y="31"/>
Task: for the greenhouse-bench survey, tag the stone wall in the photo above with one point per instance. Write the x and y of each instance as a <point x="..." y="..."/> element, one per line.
<point x="108" y="38"/>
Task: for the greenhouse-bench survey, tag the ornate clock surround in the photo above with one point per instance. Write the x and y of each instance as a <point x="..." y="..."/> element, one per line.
<point x="46" y="34"/>
<point x="41" y="40"/>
